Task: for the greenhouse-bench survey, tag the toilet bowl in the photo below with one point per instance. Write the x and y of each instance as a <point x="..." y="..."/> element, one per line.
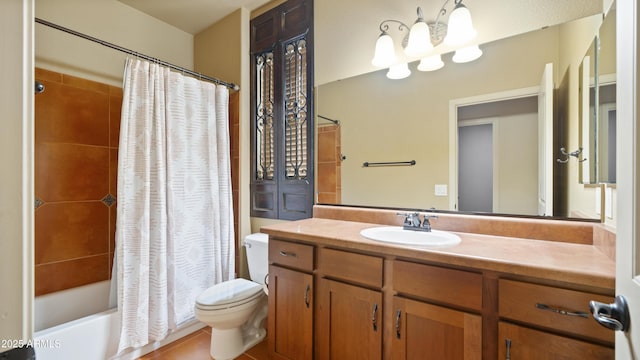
<point x="236" y="309"/>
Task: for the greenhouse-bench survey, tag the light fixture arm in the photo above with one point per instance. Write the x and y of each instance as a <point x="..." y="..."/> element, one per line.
<point x="384" y="26"/>
<point x="443" y="10"/>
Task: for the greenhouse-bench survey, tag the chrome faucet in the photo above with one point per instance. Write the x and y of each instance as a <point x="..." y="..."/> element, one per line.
<point x="412" y="221"/>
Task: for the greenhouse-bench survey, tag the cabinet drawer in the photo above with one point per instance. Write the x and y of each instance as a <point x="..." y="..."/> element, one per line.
<point x="293" y="255"/>
<point x="348" y="266"/>
<point x="519" y="342"/>
<point x="456" y="287"/>
<point x="550" y="307"/>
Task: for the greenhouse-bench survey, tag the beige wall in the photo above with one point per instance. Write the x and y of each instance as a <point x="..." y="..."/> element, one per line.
<point x="111" y="21"/>
<point x="16" y="177"/>
<point x="218" y="48"/>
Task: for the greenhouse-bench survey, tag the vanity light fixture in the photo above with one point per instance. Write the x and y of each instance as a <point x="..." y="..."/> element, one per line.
<point x="422" y="37"/>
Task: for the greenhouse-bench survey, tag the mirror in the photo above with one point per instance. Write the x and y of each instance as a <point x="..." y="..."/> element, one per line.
<point x="606" y="119"/>
<point x="587" y="109"/>
<point x="408" y="121"/>
<point x="598" y="106"/>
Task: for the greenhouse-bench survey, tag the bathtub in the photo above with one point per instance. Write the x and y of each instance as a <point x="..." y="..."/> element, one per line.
<point x="78" y="324"/>
<point x="68" y="305"/>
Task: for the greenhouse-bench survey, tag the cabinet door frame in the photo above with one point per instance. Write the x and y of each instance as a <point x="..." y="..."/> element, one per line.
<point x="471" y="325"/>
<point x="326" y="290"/>
<point x="531" y="344"/>
<point x="290" y="319"/>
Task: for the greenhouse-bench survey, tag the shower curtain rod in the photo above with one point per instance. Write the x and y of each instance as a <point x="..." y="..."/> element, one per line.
<point x="137" y="54"/>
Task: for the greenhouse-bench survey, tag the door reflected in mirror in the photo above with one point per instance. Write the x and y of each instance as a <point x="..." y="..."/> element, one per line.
<point x="597" y="106"/>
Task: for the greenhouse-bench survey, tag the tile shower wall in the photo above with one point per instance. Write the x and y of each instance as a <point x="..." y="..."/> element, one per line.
<point x="76" y="153"/>
<point x="77" y="134"/>
<point x="329" y="165"/>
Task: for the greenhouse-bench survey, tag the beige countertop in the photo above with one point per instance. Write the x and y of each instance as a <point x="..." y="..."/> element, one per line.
<point x="579" y="264"/>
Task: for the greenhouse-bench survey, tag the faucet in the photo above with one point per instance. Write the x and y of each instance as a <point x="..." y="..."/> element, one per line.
<point x="412" y="221"/>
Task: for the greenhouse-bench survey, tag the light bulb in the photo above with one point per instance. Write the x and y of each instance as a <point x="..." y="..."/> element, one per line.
<point x="385" y="52"/>
<point x="460" y="30"/>
<point x="419" y="43"/>
<point x="398" y="71"/>
<point x="431" y="63"/>
<point x="467" y="54"/>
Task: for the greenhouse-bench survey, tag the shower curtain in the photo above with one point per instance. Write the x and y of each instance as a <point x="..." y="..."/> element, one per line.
<point x="174" y="229"/>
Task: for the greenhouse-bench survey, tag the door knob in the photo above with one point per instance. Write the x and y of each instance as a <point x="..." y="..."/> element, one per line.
<point x="612" y="316"/>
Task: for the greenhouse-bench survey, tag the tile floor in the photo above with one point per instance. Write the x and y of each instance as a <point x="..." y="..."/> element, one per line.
<point x="196" y="347"/>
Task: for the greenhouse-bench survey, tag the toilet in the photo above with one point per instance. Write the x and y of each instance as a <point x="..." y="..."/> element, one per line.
<point x="236" y="309"/>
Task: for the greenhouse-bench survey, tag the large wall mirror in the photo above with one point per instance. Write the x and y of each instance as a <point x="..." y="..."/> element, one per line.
<point x="367" y="119"/>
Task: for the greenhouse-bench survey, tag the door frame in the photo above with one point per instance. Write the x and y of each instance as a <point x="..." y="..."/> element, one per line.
<point x="454" y="104"/>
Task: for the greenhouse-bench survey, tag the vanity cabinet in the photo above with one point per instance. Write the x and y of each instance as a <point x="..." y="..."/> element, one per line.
<point x="337" y="302"/>
<point x="547" y="322"/>
<point x="349" y="306"/>
<point x="445" y="322"/>
<point x="291" y="300"/>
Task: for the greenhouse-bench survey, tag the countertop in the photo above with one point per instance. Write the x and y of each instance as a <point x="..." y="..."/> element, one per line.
<point x="579" y="264"/>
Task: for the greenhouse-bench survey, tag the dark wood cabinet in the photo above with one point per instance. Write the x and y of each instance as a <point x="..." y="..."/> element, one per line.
<point x="351" y="317"/>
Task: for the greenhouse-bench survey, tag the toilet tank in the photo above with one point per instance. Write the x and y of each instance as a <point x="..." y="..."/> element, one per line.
<point x="257" y="246"/>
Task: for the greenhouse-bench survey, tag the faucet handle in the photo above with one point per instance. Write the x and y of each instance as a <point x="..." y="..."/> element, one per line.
<point x="411" y="219"/>
<point x="426" y="224"/>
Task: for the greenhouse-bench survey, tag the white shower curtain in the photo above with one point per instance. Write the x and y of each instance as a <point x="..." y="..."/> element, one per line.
<point x="174" y="229"/>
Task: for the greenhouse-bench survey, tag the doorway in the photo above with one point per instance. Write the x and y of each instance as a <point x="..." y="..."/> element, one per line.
<point x="475" y="166"/>
<point x="496" y="149"/>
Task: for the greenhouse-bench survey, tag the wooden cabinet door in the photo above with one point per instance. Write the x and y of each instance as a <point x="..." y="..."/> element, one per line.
<point x="424" y="331"/>
<point x="349" y="322"/>
<point x="521" y="343"/>
<point x="290" y="314"/>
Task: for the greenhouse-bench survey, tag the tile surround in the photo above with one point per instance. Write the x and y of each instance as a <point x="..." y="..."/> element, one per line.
<point x="70" y="230"/>
<point x="56" y="276"/>
<point x="76" y="137"/>
<point x="329" y="190"/>
<point x="71" y="172"/>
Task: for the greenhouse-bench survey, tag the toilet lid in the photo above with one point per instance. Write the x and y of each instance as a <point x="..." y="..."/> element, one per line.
<point x="227" y="293"/>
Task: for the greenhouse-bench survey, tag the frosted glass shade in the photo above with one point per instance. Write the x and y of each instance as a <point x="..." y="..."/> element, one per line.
<point x="460" y="30"/>
<point x="431" y="63"/>
<point x="398" y="71"/>
<point x="384" y="54"/>
<point x="419" y="43"/>
<point x="467" y="54"/>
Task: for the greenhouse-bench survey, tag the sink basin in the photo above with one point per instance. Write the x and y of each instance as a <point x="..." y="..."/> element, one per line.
<point x="398" y="235"/>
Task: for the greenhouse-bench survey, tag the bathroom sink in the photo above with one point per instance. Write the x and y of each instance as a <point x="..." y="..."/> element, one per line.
<point x="398" y="235"/>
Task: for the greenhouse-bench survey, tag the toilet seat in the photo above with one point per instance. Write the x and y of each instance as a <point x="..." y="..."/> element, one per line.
<point x="228" y="294"/>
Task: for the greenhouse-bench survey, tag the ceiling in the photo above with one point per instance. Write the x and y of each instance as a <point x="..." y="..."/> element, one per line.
<point x="192" y="16"/>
